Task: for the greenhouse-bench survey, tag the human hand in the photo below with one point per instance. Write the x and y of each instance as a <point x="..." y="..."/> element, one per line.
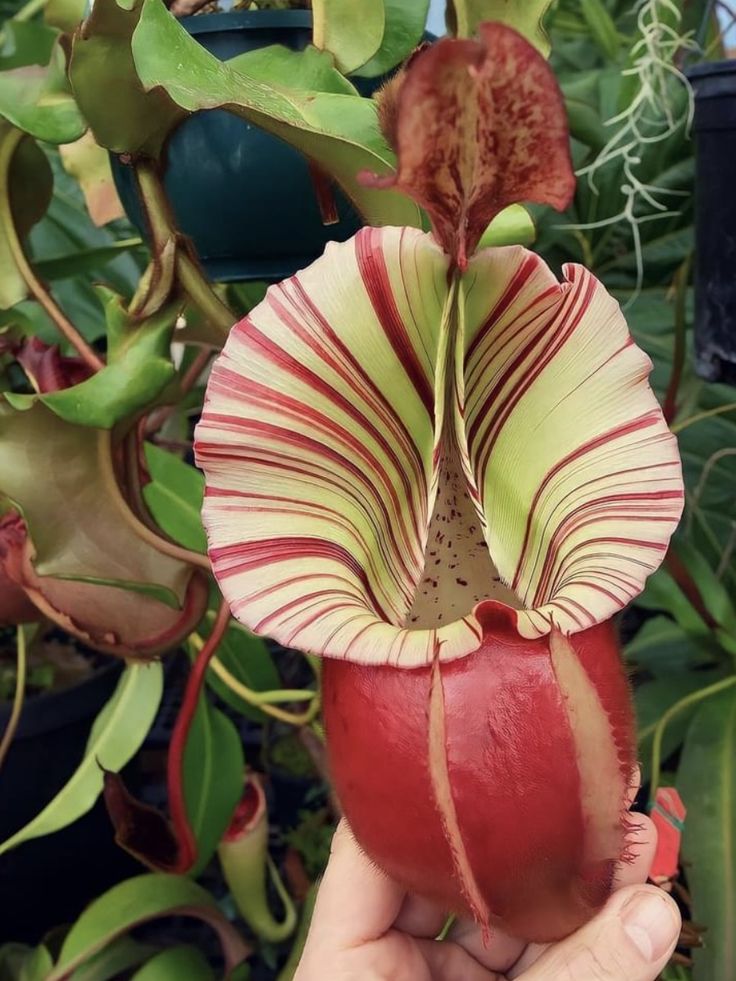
<point x="366" y="928"/>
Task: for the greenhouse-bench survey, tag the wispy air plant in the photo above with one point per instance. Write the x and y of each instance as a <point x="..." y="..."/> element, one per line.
<point x="445" y="471"/>
<point x="655" y="112"/>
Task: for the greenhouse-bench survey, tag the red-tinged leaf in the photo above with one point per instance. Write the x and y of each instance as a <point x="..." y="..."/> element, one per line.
<point x="15" y="607"/>
<point x="48" y="369"/>
<point x="140" y="830"/>
<point x="480" y="125"/>
<point x="86" y="561"/>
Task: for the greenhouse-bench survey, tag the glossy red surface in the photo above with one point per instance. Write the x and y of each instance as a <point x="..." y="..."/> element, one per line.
<point x="513" y="766"/>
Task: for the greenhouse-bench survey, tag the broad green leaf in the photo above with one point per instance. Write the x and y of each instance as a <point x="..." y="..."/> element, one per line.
<point x="123" y="117"/>
<point x="714" y="594"/>
<point x="74" y="264"/>
<point x="37" y="101"/>
<point x="310" y="70"/>
<point x="663" y="593"/>
<point x="653" y="698"/>
<point x="213" y="778"/>
<point x="138" y="369"/>
<point x="116" y="736"/>
<point x="405" y="21"/>
<point x="339" y="132"/>
<point x="37" y="965"/>
<point x="706" y="779"/>
<point x="136" y="901"/>
<point x="351" y="30"/>
<point x="662" y="648"/>
<point x="176" y="964"/>
<point x="174" y="497"/>
<point x="25" y="43"/>
<point x="120" y="956"/>
<point x="526" y="17"/>
<point x="602" y="27"/>
<point x="65" y="14"/>
<point x="249" y="660"/>
<point x="90" y="549"/>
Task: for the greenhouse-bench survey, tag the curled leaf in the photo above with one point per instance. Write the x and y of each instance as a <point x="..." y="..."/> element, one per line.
<point x="87" y="561"/>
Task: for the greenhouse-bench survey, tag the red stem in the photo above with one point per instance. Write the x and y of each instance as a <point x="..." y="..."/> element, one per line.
<point x="175" y="764"/>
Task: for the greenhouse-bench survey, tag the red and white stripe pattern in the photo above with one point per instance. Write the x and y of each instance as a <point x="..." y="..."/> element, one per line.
<point x="317" y="442"/>
<point x="321" y="435"/>
<point x="579" y="478"/>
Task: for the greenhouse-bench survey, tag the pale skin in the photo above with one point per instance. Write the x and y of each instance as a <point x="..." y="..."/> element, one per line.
<point x="366" y="928"/>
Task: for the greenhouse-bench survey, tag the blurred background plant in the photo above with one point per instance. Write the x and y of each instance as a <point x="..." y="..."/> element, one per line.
<point x="101" y="545"/>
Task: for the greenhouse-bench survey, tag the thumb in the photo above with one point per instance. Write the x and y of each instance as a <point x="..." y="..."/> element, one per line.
<point x="631" y="939"/>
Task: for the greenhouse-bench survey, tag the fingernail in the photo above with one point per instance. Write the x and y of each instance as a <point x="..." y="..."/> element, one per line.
<point x="650" y="924"/>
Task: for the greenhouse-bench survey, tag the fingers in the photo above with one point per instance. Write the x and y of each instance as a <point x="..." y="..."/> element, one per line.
<point x="420" y="917"/>
<point x="505" y="951"/>
<point x="451" y="963"/>
<point x="356" y="903"/>
<point x="631" y="939"/>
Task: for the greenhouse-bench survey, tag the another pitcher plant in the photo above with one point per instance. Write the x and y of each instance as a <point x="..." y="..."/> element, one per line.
<point x="444" y="470"/>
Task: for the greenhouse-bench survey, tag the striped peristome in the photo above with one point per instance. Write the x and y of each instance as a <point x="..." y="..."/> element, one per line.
<point x="337" y="403"/>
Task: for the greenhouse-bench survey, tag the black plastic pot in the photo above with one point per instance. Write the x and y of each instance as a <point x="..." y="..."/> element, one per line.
<point x="49" y="880"/>
<point x="244" y="197"/>
<point x="715" y="223"/>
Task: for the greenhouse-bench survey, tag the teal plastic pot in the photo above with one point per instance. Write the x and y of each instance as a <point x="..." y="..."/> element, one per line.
<point x="244" y="197"/>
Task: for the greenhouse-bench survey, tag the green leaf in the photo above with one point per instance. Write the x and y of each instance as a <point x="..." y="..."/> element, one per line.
<point x="137" y="371"/>
<point x="25" y="43"/>
<point x="526" y="18"/>
<point x="663" y="648"/>
<point x="37" y="965"/>
<point x="351" y="30"/>
<point x="74" y="264"/>
<point x="121" y="955"/>
<point x="339" y="132"/>
<point x="248" y="659"/>
<point x="512" y="226"/>
<point x="706" y="780"/>
<point x="64" y="14"/>
<point x="310" y="70"/>
<point x="136" y="901"/>
<point x="213" y="778"/>
<point x="183" y="963"/>
<point x="123" y="117"/>
<point x="405" y="21"/>
<point x="663" y="593"/>
<point x="116" y="735"/>
<point x="602" y="28"/>
<point x="174" y="497"/>
<point x="38" y="101"/>
<point x="653" y="699"/>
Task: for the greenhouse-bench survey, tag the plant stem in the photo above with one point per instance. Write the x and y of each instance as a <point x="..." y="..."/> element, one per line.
<point x="188" y="380"/>
<point x="162" y="226"/>
<point x="706" y="414"/>
<point x="669" y="715"/>
<point x="177" y="746"/>
<point x="20" y="688"/>
<point x="264" y="700"/>
<point x="680" y="348"/>
<point x="37" y="290"/>
<point x="200" y="292"/>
